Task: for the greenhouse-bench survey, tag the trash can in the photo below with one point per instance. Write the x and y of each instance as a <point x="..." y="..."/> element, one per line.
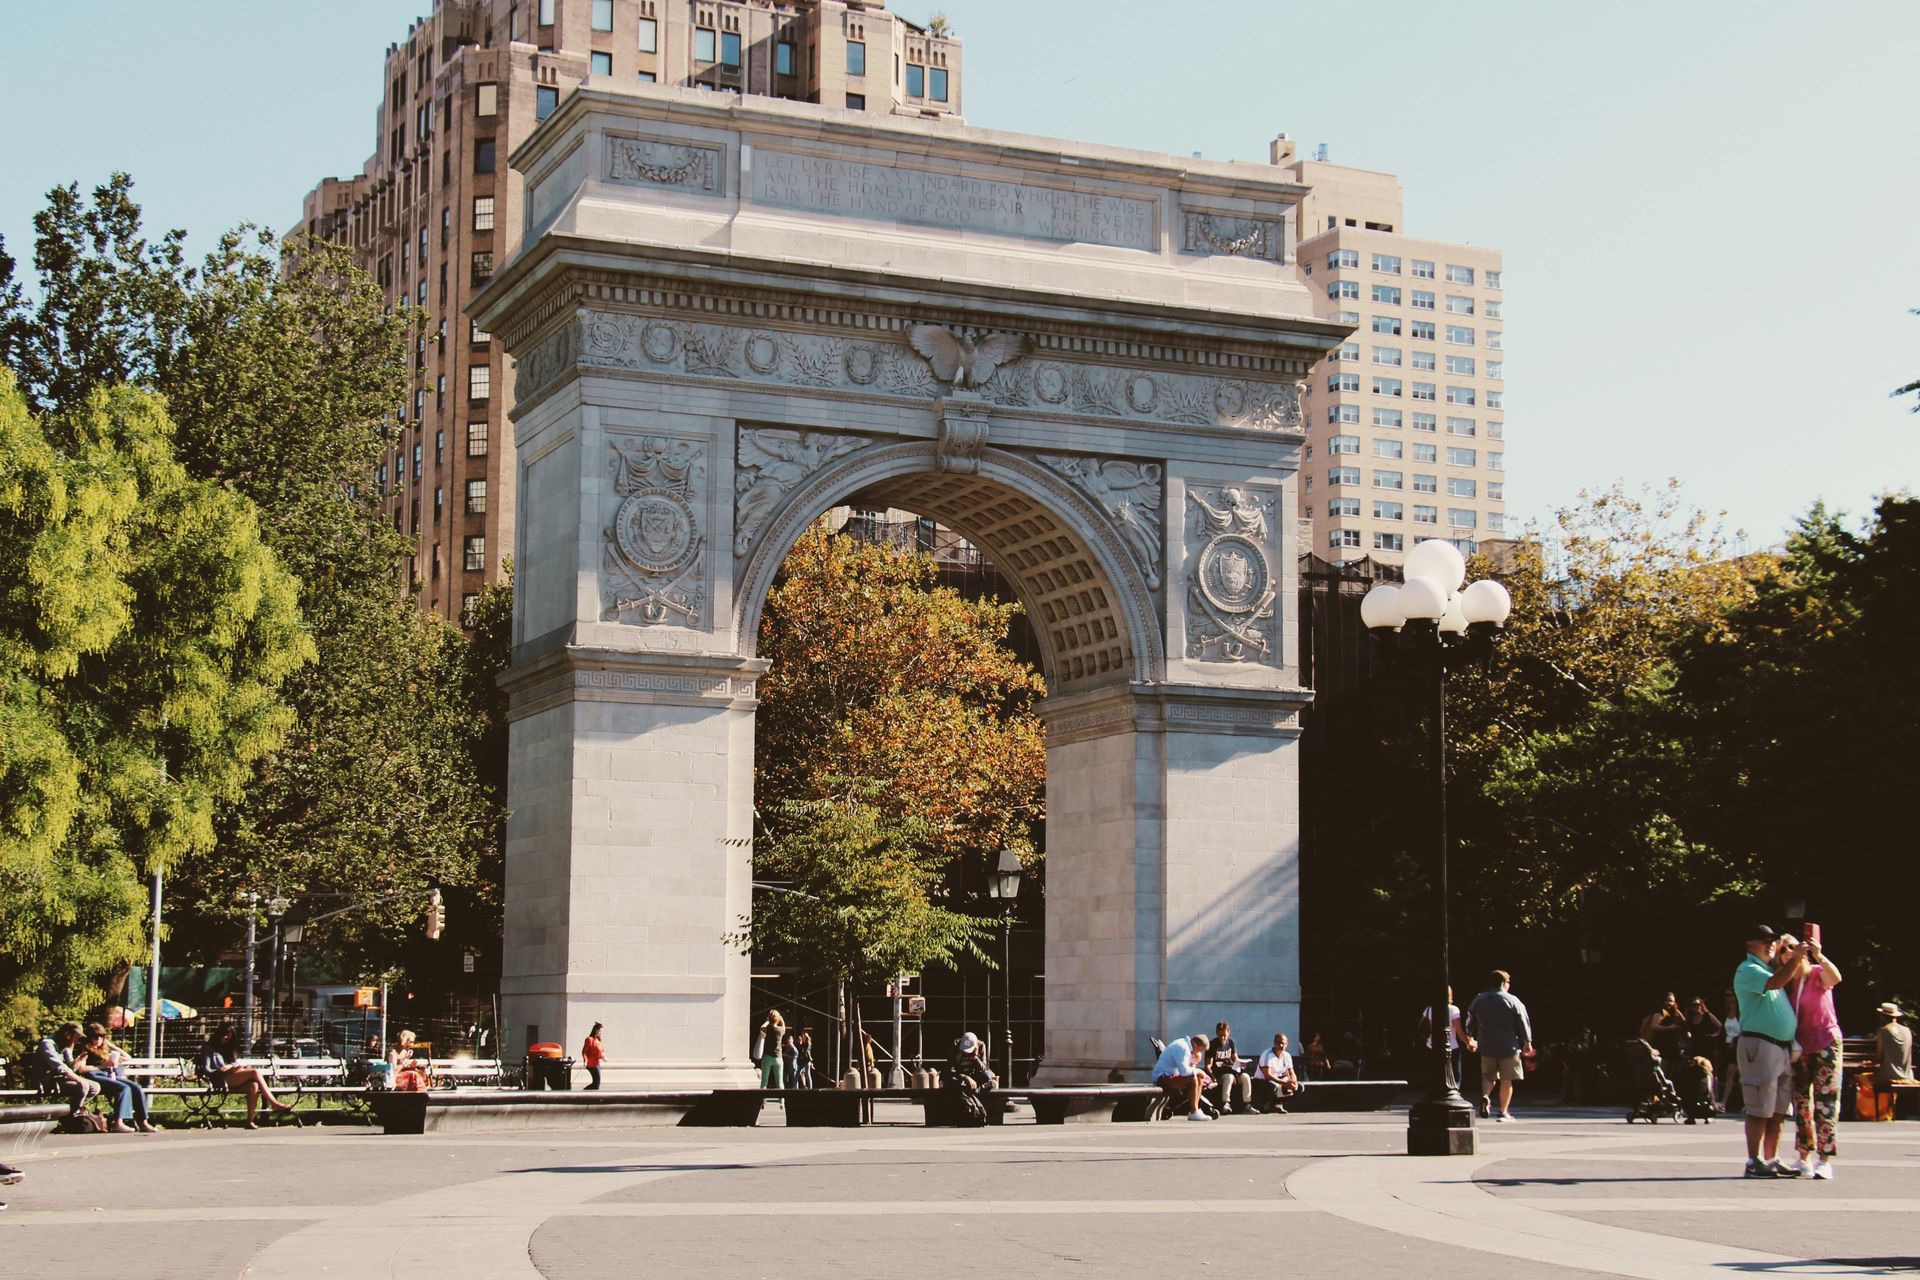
<point x="549" y="1073"/>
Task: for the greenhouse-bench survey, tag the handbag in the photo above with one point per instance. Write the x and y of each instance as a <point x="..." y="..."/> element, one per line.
<point x="759" y="1046"/>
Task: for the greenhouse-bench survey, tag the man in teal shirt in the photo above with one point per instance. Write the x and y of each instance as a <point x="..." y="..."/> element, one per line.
<point x="1765" y="1052"/>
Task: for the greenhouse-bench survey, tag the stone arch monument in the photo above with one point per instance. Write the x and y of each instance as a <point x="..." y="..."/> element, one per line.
<point x="734" y="314"/>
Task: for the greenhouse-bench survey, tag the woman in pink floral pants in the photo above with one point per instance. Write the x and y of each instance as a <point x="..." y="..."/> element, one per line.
<point x="1816" y="1073"/>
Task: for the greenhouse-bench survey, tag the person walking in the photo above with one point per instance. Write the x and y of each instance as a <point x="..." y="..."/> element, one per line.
<point x="802" y="1074"/>
<point x="1499" y="1022"/>
<point x="1729" y="1052"/>
<point x="769" y="1044"/>
<point x="593" y="1052"/>
<point x="1457" y="1037"/>
<point x="1763" y="1055"/>
<point x="1816" y="1072"/>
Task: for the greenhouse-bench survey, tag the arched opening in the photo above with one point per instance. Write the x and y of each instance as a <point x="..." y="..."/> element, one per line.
<point x="986" y="535"/>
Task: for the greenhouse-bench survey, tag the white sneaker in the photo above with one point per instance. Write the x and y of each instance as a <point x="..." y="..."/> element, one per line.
<point x="1823" y="1169"/>
<point x="1199" y="1115"/>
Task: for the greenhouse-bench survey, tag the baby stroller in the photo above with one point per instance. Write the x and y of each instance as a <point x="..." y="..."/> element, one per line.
<point x="1657" y="1099"/>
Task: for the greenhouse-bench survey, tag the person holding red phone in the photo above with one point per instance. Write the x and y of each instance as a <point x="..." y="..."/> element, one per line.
<point x="1816" y="1072"/>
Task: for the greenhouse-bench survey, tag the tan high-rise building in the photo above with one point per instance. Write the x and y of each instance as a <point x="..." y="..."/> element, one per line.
<point x="436" y="208"/>
<point x="1407" y="422"/>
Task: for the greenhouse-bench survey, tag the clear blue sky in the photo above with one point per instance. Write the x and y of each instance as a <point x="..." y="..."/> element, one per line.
<point x="1708" y="210"/>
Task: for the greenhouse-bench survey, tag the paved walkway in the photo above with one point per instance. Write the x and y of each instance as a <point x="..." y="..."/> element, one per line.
<point x="1566" y="1193"/>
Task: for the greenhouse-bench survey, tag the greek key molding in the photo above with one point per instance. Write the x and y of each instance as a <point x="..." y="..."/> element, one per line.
<point x="650" y="682"/>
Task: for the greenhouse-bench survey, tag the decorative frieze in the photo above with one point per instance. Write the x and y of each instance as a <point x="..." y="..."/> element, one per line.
<point x="1212" y="234"/>
<point x="655" y="682"/>
<point x="995" y="366"/>
<point x="653" y="567"/>
<point x="641" y="162"/>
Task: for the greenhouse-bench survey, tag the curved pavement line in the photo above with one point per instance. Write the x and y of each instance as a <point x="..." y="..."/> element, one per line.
<point x="1436" y="1199"/>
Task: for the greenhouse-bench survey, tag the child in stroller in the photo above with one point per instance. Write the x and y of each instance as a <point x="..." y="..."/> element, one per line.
<point x="1655" y="1094"/>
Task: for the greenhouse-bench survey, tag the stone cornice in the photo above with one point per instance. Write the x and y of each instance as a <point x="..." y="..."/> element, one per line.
<point x="1173" y="708"/>
<point x="580" y="673"/>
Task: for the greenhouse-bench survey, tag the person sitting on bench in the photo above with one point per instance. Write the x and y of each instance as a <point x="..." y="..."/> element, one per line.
<point x="1178" y="1072"/>
<point x="970" y="1070"/>
<point x="1233" y="1089"/>
<point x="1276" y="1080"/>
<point x="52" y="1067"/>
<point x="100" y="1060"/>
<point x="217" y="1068"/>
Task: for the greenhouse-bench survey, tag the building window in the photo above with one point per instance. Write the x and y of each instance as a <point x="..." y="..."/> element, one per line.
<point x="649" y="36"/>
<point x="1459" y="275"/>
<point x="856" y="102"/>
<point x="476" y="439"/>
<point x="1462" y="487"/>
<point x="1309" y="484"/>
<point x="602" y="63"/>
<point x="1386" y="264"/>
<point x="916" y="81"/>
<point x="1346" y="351"/>
<point x="1492" y="311"/>
<point x="1422" y="300"/>
<point x="1344" y="444"/>
<point x="1387" y="325"/>
<point x="1338" y="507"/>
<point x="475" y="554"/>
<point x="1425" y="515"/>
<point x="1387" y="418"/>
<point x="546" y="101"/>
<point x="1496" y="522"/>
<point x="486" y="99"/>
<point x="1388" y="449"/>
<point x="730" y="49"/>
<point x="1387" y="293"/>
<point x="705" y="42"/>
<point x="1425" y="422"/>
<point x="1496" y="431"/>
<point x="938" y="77"/>
<point x="439" y="502"/>
<point x="1463" y="517"/>
<point x="1422" y="269"/>
<point x="475" y="334"/>
<point x="1457" y="457"/>
<point x="1346" y="317"/>
<point x="1496" y="462"/>
<point x="1343" y="382"/>
<point x="1388" y="510"/>
<point x="419" y="403"/>
<point x="1343" y="413"/>
<point x="419" y="454"/>
<point x="1459" y="335"/>
<point x="1426" y="484"/>
<point x="1425" y="361"/>
<point x="1344" y="289"/>
<point x="482" y="266"/>
<point x="1389" y="541"/>
<point x="1460" y="395"/>
<point x="603" y="15"/>
<point x="420" y="294"/>
<point x="1386" y="355"/>
<point x="1461" y="366"/>
<point x="1343" y="258"/>
<point x="1343" y="475"/>
<point x="1459" y="304"/>
<point x="476" y="497"/>
<point x="1495" y="400"/>
<point x="1423" y="329"/>
<point x="1496" y="491"/>
<point x="1343" y="537"/>
<point x="483" y="213"/>
<point x="440" y="384"/>
<point x="468" y="603"/>
<point x="1461" y="427"/>
<point x="1388" y="480"/>
<point x="856" y="57"/>
<point x="1493" y="280"/>
<point x="483" y="156"/>
<point x="1386" y="386"/>
<point x="1426" y="452"/>
<point x="1494" y="339"/>
<point x="480" y="382"/>
<point x="783" y="57"/>
<point x="546" y="13"/>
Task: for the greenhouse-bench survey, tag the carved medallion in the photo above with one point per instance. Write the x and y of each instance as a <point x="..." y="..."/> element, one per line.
<point x="1140" y="393"/>
<point x="1233" y="573"/>
<point x="1051" y="384"/>
<point x="661" y="341"/>
<point x="863" y="364"/>
<point x="655" y="530"/>
<point x="1230" y="590"/>
<point x="763" y="353"/>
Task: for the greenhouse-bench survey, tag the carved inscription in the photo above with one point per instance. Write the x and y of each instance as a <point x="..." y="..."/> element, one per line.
<point x="820" y="184"/>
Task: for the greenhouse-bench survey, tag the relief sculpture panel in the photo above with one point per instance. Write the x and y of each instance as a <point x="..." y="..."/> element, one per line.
<point x="654" y="564"/>
<point x="1231" y="585"/>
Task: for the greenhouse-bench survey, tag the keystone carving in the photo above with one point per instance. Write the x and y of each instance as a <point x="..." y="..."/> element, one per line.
<point x="963" y="435"/>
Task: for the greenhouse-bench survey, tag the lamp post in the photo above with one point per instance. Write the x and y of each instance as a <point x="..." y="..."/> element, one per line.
<point x="253" y="919"/>
<point x="1004" y="886"/>
<point x="1431" y="622"/>
<point x="276" y="907"/>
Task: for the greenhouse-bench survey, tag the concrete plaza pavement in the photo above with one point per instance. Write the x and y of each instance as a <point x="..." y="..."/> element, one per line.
<point x="1558" y="1192"/>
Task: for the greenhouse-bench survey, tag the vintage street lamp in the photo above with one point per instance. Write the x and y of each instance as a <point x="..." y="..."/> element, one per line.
<point x="1431" y="622"/>
<point x="1004" y="887"/>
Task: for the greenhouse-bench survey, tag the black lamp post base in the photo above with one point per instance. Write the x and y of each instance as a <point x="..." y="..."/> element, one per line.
<point x="1441" y="1127"/>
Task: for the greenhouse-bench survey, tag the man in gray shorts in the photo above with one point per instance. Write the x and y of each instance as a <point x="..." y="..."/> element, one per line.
<point x="1764" y="1054"/>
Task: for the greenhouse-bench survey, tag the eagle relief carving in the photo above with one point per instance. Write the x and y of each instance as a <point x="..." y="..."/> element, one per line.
<point x="962" y="361"/>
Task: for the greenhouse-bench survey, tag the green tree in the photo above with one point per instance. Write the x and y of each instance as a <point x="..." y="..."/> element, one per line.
<point x="146" y="630"/>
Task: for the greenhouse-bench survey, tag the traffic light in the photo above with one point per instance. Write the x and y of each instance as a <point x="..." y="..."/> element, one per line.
<point x="436" y="916"/>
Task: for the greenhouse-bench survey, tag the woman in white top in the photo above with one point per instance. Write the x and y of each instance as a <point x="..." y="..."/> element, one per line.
<point x="1730" y="1027"/>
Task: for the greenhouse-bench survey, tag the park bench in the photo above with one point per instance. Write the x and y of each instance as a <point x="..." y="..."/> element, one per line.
<point x="453" y="1073"/>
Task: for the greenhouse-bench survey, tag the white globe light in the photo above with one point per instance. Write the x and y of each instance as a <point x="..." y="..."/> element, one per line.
<point x="1453" y="622"/>
<point x="1486" y="601"/>
<point x="1380" y="607"/>
<point x="1440" y="561"/>
<point x="1423" y="599"/>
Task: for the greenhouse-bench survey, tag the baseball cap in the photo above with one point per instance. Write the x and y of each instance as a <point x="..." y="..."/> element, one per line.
<point x="1761" y="933"/>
